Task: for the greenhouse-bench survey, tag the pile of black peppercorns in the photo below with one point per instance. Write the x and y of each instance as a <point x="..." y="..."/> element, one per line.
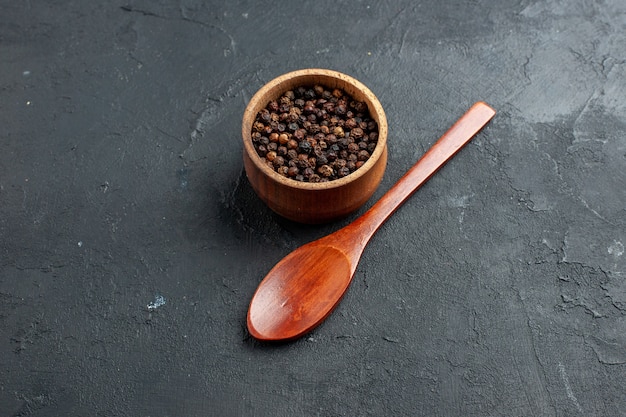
<point x="315" y="134"/>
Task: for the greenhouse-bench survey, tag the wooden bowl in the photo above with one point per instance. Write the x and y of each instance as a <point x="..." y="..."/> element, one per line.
<point x="321" y="202"/>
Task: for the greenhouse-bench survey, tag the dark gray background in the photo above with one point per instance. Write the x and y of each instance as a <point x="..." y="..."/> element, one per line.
<point x="499" y="289"/>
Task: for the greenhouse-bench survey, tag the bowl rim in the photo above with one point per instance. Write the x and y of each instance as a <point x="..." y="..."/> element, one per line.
<point x="250" y="114"/>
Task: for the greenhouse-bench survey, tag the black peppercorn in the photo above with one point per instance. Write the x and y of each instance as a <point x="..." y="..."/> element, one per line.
<point x="292" y="144"/>
<point x="278" y="161"/>
<point x="293" y="171"/>
<point x="363" y="155"/>
<point x="356" y="133"/>
<point x="305" y="147"/>
<point x="302" y="164"/>
<point x="293" y="116"/>
<point x="282" y="170"/>
<point x="283" y="138"/>
<point x="265" y="116"/>
<point x="258" y="126"/>
<point x="343" y="171"/>
<point x="292" y="153"/>
<point x="360" y="107"/>
<point x="350" y="124"/>
<point x="299" y="134"/>
<point x="309" y="107"/>
<point x="325" y="171"/>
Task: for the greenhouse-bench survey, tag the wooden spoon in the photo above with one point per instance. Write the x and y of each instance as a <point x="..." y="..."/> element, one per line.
<point x="305" y="286"/>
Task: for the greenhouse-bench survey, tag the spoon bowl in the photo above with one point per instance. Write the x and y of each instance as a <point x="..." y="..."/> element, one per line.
<point x="299" y="298"/>
<point x="305" y="286"/>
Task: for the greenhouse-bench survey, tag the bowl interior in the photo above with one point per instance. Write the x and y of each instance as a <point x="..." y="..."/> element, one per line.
<point x="310" y="77"/>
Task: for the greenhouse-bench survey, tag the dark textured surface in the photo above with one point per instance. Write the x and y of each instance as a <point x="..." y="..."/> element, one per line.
<point x="499" y="289"/>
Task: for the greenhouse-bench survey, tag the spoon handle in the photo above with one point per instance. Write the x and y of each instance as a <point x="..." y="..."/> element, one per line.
<point x="445" y="148"/>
